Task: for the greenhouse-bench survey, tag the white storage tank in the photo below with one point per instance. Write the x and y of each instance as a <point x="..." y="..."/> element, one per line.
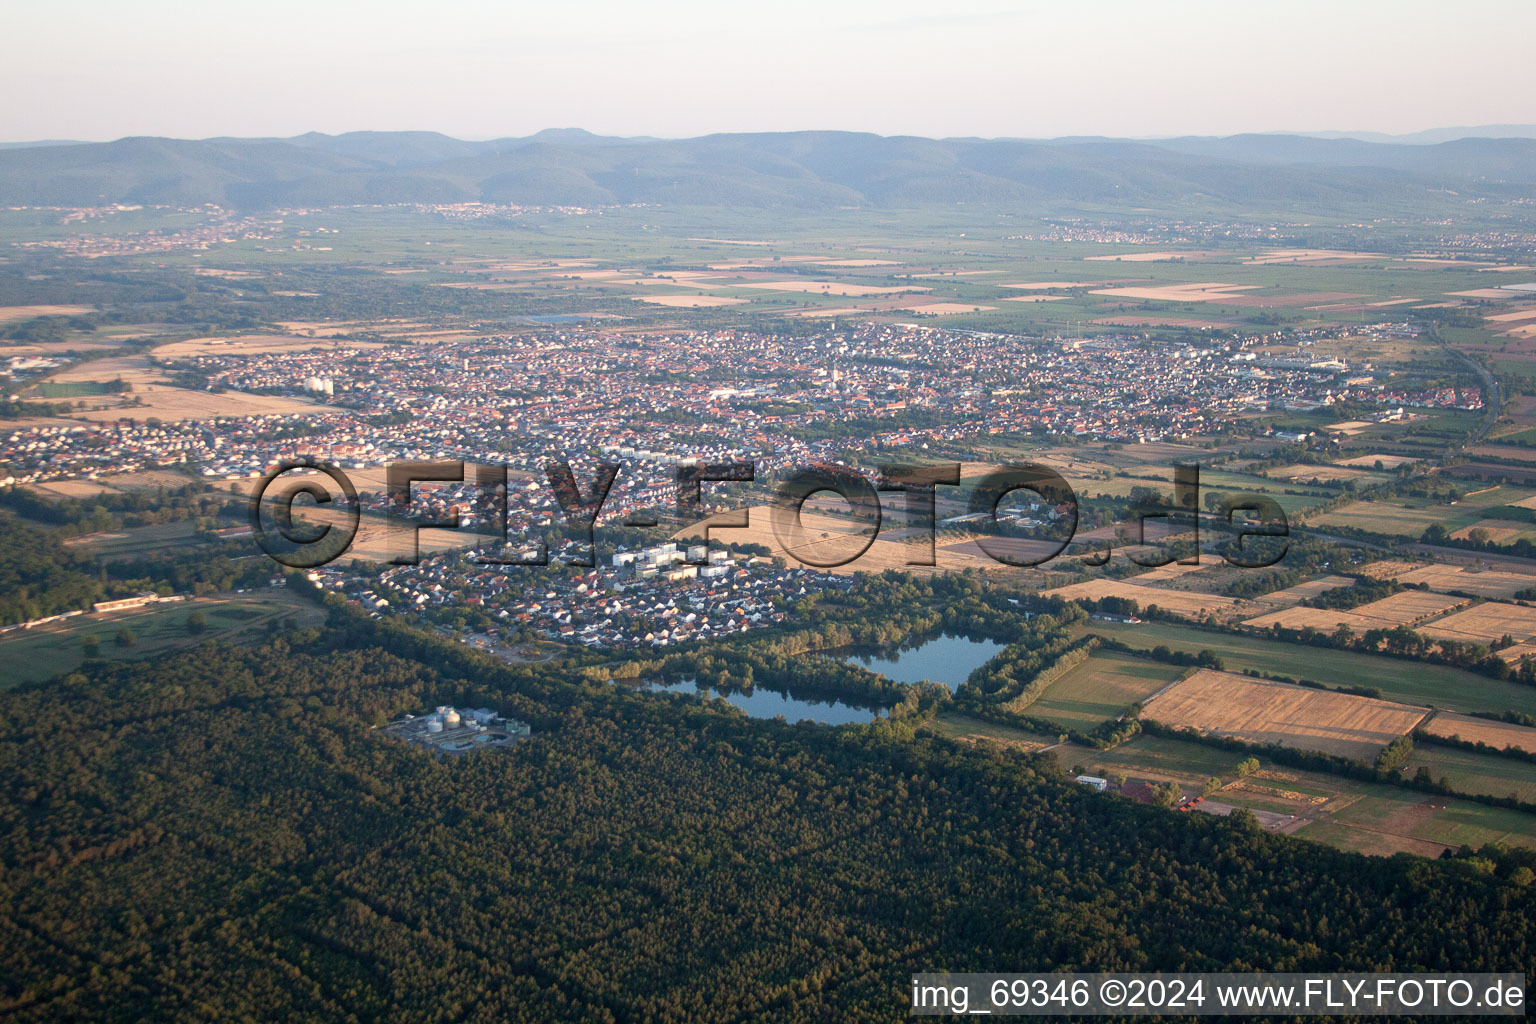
<point x="434" y="725"/>
<point x="451" y="719"/>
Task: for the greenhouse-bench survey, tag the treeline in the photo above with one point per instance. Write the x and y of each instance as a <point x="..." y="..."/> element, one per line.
<point x="1439" y="536"/>
<point x="114" y="511"/>
<point x="1363" y="590"/>
<point x="39" y="576"/>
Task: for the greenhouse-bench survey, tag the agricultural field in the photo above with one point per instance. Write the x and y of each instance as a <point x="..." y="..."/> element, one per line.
<point x="1499" y="735"/>
<point x="1374" y="459"/>
<point x="1180" y="602"/>
<point x="1304" y="591"/>
<point x="825" y="538"/>
<point x="1404" y="609"/>
<point x="1467" y="771"/>
<point x="1485" y="623"/>
<point x="1397" y="679"/>
<point x="974" y="730"/>
<point x="1295" y="498"/>
<point x="257" y="344"/>
<point x="139" y="541"/>
<point x="1101" y="688"/>
<point x="46" y="651"/>
<point x="1263" y="711"/>
<point x="1487" y="583"/>
<point x="1410" y="517"/>
<point x="1383" y="821"/>
<point x="8" y="313"/>
<point x="1308" y="474"/>
<point x="1364" y="817"/>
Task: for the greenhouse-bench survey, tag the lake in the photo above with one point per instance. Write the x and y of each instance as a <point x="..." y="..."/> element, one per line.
<point x="944" y="659"/>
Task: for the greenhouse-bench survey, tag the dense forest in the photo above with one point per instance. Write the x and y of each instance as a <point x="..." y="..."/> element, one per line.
<point x="218" y="835"/>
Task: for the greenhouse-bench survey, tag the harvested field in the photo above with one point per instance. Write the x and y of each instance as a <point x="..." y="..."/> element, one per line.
<point x="1044" y="285"/>
<point x="1141" y="257"/>
<point x="1514" y="453"/>
<point x="28" y="312"/>
<point x="1369" y="461"/>
<point x="1173" y="570"/>
<point x="149" y="479"/>
<point x="1488" y="293"/>
<point x="1388" y="569"/>
<point x="253" y="344"/>
<point x="1499" y="735"/>
<point x="1488" y="583"/>
<point x="1498" y="530"/>
<point x="1485" y="623"/>
<point x="1315" y="474"/>
<point x="1403" y="609"/>
<point x="826" y="538"/>
<point x="1272" y="256"/>
<point x="1311" y="300"/>
<point x="689" y="301"/>
<point x="168" y="403"/>
<point x="840" y="311"/>
<point x="1204" y="291"/>
<point x="1515" y="654"/>
<point x="1308" y="590"/>
<point x="1140" y="320"/>
<point x="71" y="488"/>
<point x="128" y="369"/>
<point x="1498" y="318"/>
<point x="832" y="287"/>
<point x="380" y="540"/>
<point x="1263" y="711"/>
<point x="1180" y="602"/>
<point x="945" y="308"/>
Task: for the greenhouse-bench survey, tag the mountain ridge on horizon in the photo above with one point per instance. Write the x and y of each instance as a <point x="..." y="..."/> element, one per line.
<point x="810" y="170"/>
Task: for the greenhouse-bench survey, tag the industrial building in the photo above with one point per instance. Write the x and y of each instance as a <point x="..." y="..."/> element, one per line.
<point x="453" y="731"/>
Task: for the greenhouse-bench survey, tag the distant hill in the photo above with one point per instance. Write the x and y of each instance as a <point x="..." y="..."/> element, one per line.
<point x="1437" y="135"/>
<point x="790" y="171"/>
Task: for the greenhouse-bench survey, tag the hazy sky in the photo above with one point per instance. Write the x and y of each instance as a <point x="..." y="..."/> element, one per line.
<point x="100" y="69"/>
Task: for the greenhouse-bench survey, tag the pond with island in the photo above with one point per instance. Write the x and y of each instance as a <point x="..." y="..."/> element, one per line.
<point x="946" y="659"/>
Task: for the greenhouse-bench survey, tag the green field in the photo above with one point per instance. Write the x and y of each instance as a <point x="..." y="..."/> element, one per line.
<point x="1180" y="760"/>
<point x="1409" y="517"/>
<point x="1470" y="772"/>
<point x="1384" y="812"/>
<point x="44" y="652"/>
<point x="140" y="541"/>
<point x="1101" y="688"/>
<point x="74" y="389"/>
<point x="1293" y="498"/>
<point x="1365" y="817"/>
<point x="1400" y="680"/>
<point x="964" y="727"/>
